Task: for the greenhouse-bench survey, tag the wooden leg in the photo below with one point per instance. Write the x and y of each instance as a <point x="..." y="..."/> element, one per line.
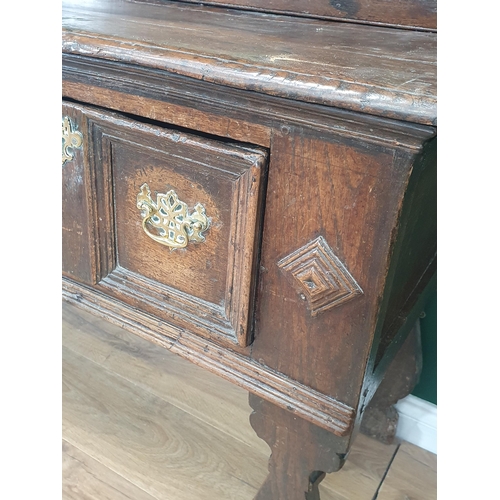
<point x="381" y="418"/>
<point x="301" y="453"/>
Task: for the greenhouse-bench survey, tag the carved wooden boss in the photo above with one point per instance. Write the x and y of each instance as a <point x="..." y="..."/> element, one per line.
<point x="256" y="192"/>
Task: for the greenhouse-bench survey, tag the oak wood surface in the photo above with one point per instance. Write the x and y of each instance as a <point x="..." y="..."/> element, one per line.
<point x="157" y="109"/>
<point x="165" y="375"/>
<point x="374" y="70"/>
<point x="413" y="13"/>
<point x="351" y="197"/>
<point x="136" y="413"/>
<point x="315" y="407"/>
<point x="209" y="398"/>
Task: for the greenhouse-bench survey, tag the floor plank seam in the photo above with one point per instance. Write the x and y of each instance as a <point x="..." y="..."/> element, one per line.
<point x="386" y="471"/>
<point x="243" y="481"/>
<point x="98" y="479"/>
<point x="75" y="445"/>
<point x="423" y="464"/>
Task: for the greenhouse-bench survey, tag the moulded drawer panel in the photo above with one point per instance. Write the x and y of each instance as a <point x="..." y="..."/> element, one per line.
<point x="178" y="224"/>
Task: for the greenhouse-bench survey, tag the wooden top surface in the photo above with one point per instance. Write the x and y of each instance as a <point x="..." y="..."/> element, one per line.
<point x="375" y="70"/>
<point x="409" y="13"/>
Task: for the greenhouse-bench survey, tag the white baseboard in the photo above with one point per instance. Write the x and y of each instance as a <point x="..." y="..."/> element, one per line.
<point x="417" y="422"/>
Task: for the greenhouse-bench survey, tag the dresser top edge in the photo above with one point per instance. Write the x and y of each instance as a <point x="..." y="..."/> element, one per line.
<point x="374" y="70"/>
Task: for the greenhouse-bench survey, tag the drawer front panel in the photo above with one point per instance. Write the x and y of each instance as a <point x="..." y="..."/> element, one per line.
<point x="78" y="252"/>
<point x="178" y="224"/>
<point x="200" y="268"/>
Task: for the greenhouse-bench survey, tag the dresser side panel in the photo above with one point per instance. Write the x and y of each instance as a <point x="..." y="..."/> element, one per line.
<point x="349" y="202"/>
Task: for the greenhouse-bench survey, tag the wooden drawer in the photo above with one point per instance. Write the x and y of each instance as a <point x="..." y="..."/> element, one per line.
<point x="175" y="221"/>
<point x="78" y="257"/>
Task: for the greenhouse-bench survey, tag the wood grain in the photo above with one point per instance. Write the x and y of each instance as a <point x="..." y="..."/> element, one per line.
<point x="301" y="453"/>
<point x="373" y="70"/>
<point x="412" y="13"/>
<point x="84" y="478"/>
<point x="132" y="431"/>
<point x="156" y="370"/>
<point x="352" y="198"/>
<point x="108" y="416"/>
<point x="345" y="112"/>
<point x="412" y="476"/>
<point x="226" y="179"/>
<point x="324" y="411"/>
<point x="211" y="108"/>
<point x="175" y="114"/>
<point x="369" y="181"/>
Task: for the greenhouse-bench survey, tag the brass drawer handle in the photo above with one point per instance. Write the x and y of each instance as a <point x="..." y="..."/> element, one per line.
<point x="71" y="140"/>
<point x="172" y="225"/>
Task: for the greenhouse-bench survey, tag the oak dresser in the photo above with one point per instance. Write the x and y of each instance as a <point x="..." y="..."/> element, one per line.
<point x="251" y="185"/>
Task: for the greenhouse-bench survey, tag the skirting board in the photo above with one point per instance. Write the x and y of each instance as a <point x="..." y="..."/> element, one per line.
<point x="417" y="422"/>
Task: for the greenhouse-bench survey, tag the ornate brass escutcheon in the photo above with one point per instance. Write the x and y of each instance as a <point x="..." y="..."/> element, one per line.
<point x="71" y="139"/>
<point x="168" y="222"/>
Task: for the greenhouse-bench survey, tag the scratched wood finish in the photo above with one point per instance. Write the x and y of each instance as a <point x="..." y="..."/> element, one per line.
<point x="221" y="111"/>
<point x="373" y="179"/>
<point x="214" y="402"/>
<point x="161" y="108"/>
<point x="320" y="409"/>
<point x="350" y="367"/>
<point x="373" y="70"/>
<point x="412" y="13"/>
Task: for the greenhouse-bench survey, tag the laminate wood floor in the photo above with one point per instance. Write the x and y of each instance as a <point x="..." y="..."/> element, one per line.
<point x="140" y="423"/>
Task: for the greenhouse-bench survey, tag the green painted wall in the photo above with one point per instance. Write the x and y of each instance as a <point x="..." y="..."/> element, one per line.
<point x="427" y="386"/>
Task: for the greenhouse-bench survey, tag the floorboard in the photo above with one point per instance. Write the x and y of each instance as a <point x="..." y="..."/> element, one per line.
<point x="141" y="421"/>
<point x="412" y="475"/>
<point x="87" y="479"/>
